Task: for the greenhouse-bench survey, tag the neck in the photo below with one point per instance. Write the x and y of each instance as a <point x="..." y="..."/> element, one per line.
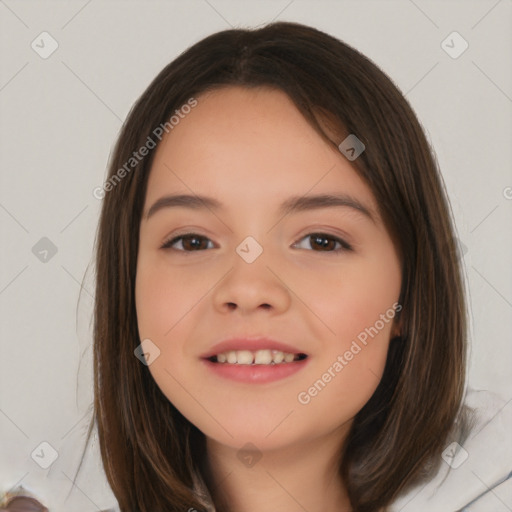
<point x="294" y="478"/>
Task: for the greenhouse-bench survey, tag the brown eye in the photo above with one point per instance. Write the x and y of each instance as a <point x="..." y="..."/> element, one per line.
<point x="189" y="243"/>
<point x="323" y="242"/>
<point x="326" y="243"/>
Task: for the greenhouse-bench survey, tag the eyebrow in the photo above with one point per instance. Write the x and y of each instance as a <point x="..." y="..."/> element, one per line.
<point x="291" y="205"/>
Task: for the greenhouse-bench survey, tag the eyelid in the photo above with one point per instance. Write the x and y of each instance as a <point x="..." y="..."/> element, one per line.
<point x="175" y="237"/>
<point x="345" y="246"/>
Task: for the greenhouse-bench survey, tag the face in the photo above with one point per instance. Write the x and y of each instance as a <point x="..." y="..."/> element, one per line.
<point x="320" y="280"/>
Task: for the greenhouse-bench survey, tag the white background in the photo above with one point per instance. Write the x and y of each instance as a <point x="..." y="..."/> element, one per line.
<point x="60" y="117"/>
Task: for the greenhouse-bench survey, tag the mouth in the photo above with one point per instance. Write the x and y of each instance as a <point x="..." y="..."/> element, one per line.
<point x="254" y="360"/>
<point x="264" y="357"/>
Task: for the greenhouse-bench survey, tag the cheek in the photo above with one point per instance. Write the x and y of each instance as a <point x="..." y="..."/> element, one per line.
<point x="164" y="299"/>
<point x="359" y="308"/>
<point x="358" y="305"/>
<point x="344" y="380"/>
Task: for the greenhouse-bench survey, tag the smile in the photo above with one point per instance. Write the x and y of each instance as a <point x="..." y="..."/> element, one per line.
<point x="254" y="360"/>
<point x="255" y="367"/>
<point x="256" y="357"/>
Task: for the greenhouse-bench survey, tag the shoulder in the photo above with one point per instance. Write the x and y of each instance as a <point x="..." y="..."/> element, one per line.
<point x="475" y="474"/>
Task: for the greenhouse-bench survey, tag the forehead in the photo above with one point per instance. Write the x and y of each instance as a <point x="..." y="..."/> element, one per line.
<point x="250" y="143"/>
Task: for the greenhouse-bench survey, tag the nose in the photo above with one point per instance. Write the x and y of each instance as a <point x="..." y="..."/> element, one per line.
<point x="250" y="287"/>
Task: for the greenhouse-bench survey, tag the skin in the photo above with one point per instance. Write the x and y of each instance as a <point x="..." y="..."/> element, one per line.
<point x="251" y="150"/>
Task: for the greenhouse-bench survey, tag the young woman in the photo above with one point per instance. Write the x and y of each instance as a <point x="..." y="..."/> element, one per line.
<point x="280" y="320"/>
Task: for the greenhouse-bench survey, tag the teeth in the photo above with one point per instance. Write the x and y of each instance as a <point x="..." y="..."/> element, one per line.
<point x="278" y="357"/>
<point x="244" y="357"/>
<point x="263" y="357"/>
<point x="256" y="357"/>
<point x="288" y="358"/>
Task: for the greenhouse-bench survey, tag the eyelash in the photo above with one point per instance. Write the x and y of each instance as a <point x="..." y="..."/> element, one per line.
<point x="344" y="245"/>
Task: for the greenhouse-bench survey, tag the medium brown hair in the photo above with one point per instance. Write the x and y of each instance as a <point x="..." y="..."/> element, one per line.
<point x="152" y="455"/>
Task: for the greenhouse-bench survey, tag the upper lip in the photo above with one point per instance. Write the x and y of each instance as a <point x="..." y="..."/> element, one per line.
<point x="252" y="344"/>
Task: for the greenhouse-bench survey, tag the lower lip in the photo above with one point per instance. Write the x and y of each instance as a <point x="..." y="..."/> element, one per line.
<point x="256" y="373"/>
